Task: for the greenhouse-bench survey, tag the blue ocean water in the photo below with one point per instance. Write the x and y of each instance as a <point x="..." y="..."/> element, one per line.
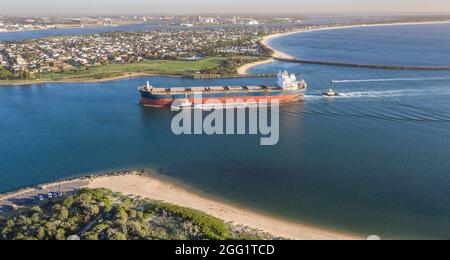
<point x="372" y="161"/>
<point x="25" y="35"/>
<point x="140" y="27"/>
<point x="391" y="45"/>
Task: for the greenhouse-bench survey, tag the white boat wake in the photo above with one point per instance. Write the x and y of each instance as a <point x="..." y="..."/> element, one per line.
<point x="388" y="80"/>
<point x="380" y="94"/>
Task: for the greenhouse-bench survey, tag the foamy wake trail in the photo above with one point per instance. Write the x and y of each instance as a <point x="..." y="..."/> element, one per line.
<point x="368" y="94"/>
<point x="379" y="94"/>
<point x="388" y="80"/>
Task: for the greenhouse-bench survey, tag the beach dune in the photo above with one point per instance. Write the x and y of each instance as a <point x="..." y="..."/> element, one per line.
<point x="158" y="188"/>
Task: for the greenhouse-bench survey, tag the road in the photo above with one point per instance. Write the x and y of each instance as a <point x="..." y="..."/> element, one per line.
<point x="31" y="196"/>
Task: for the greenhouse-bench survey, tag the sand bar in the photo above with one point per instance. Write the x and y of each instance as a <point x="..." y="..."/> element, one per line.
<point x="157" y="188"/>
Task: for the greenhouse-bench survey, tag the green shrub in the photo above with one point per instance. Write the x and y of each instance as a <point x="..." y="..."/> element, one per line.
<point x="98" y="214"/>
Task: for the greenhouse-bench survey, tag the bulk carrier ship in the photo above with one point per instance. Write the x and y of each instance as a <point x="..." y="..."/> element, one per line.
<point x="287" y="89"/>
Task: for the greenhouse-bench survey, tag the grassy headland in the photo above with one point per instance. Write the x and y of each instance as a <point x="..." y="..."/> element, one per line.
<point x="100" y="214"/>
<point x="207" y="66"/>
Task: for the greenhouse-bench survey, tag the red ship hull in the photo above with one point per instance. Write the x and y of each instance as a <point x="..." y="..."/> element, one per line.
<point x="167" y="102"/>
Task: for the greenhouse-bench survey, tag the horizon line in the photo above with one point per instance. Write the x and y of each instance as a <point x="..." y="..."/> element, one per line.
<point x="273" y="14"/>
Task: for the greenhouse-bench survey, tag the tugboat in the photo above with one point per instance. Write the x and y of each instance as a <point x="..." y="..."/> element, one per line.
<point x="331" y="92"/>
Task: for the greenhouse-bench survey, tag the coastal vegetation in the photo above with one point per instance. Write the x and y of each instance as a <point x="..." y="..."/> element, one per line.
<point x="266" y="49"/>
<point x="157" y="67"/>
<point x="99" y="214"/>
<point x="207" y="66"/>
<point x="230" y="65"/>
<point x="113" y="55"/>
<point x="5" y="74"/>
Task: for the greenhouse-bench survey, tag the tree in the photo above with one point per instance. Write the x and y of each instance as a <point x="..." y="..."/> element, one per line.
<point x="121" y="217"/>
<point x="118" y="236"/>
<point x="5" y="74"/>
<point x="63" y="213"/>
<point x="41" y="233"/>
<point x="60" y="234"/>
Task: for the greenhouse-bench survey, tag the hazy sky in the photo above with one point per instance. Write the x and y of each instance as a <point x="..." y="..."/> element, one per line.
<point x="84" y="7"/>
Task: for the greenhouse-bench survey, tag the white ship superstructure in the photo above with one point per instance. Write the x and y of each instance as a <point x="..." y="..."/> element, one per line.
<point x="289" y="81"/>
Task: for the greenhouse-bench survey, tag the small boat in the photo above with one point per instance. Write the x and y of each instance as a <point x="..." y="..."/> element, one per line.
<point x="331" y="92"/>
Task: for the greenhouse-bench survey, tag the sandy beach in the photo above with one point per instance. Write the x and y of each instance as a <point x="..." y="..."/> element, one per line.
<point x="277" y="54"/>
<point x="243" y="70"/>
<point x="157" y="188"/>
<point x="151" y="186"/>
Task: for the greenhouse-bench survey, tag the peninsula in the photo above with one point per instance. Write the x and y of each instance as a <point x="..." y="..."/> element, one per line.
<point x="284" y="57"/>
<point x="113" y="55"/>
<point x="198" y="53"/>
<point x="165" y="192"/>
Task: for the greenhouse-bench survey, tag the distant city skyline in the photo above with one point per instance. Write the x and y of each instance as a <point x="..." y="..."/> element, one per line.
<point x="145" y="7"/>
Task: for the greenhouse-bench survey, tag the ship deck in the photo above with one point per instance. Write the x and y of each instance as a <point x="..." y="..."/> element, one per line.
<point x="217" y="89"/>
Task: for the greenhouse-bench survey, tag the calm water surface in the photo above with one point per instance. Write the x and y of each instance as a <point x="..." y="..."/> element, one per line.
<point x="373" y="161"/>
<point x="392" y="45"/>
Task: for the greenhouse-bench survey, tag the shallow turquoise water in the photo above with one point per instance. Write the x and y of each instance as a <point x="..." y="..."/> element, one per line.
<point x="374" y="161"/>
